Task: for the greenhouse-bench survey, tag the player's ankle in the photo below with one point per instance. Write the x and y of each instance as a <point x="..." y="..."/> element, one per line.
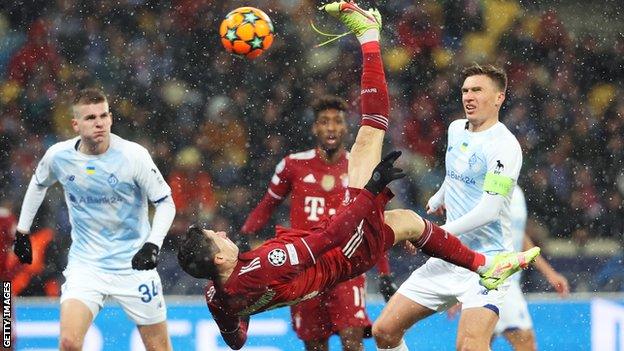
<point x="485" y="266"/>
<point x="369" y="35"/>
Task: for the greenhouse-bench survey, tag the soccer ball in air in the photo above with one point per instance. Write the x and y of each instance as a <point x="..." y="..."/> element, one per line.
<point x="246" y="31"/>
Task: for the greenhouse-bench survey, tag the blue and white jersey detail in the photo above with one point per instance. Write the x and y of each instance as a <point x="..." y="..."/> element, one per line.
<point x="107" y="199"/>
<point x="519" y="216"/>
<point x="469" y="157"/>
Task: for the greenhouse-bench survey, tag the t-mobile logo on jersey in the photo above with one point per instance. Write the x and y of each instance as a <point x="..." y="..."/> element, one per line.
<point x="315" y="207"/>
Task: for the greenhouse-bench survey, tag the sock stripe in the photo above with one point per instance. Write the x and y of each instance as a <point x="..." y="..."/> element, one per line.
<point x="378" y="119"/>
<point x="424" y="238"/>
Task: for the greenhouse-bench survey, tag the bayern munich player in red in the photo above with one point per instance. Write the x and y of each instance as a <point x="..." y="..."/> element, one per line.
<point x="316" y="180"/>
<point x="299" y="264"/>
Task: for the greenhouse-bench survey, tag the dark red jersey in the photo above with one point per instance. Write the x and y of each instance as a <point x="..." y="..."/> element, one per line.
<point x="299" y="264"/>
<point x="316" y="190"/>
<point x="7" y="229"/>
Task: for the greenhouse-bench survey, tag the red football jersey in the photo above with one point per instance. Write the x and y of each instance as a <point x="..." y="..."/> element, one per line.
<point x="7" y="229"/>
<point x="300" y="264"/>
<point x="316" y="187"/>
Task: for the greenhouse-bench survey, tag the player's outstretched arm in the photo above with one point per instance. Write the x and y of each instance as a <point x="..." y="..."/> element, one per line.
<point x="32" y="201"/>
<point x="233" y="329"/>
<point x="260" y="215"/>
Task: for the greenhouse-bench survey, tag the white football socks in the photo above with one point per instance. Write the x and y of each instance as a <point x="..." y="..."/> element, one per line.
<point x="369" y="35"/>
<point x="402" y="347"/>
<point x="486" y="266"/>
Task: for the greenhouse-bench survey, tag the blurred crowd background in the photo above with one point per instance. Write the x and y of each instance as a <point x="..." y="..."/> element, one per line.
<point x="217" y="125"/>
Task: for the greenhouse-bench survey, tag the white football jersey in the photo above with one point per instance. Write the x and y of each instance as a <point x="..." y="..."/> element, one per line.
<point x="519" y="215"/>
<point x="476" y="162"/>
<point x="107" y="197"/>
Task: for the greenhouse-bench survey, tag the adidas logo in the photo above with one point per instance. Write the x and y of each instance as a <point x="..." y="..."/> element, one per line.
<point x="309" y="178"/>
<point x="360" y="314"/>
<point x="368" y="91"/>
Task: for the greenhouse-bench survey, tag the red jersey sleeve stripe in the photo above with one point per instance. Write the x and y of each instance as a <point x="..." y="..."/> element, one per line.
<point x="274" y="195"/>
<point x="309" y="250"/>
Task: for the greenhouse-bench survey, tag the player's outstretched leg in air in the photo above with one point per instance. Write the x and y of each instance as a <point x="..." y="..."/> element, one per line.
<point x="366" y="153"/>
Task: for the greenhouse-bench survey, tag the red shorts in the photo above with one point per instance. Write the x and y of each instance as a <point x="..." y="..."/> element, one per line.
<point x="371" y="240"/>
<point x="342" y="307"/>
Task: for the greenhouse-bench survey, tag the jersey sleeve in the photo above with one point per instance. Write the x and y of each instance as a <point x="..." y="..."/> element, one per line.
<point x="281" y="181"/>
<point x="260" y="215"/>
<point x="45" y="175"/>
<point x="282" y="258"/>
<point x="233" y="328"/>
<point x="503" y="168"/>
<point x="149" y="178"/>
<point x="277" y="260"/>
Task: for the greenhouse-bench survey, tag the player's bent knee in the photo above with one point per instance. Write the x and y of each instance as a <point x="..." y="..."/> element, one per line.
<point x="68" y="343"/>
<point x="471" y="343"/>
<point x="385" y="335"/>
<point x="406" y="224"/>
<point x="522" y="339"/>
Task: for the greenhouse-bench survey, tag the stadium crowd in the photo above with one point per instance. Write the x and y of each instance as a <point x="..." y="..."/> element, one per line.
<point x="216" y="124"/>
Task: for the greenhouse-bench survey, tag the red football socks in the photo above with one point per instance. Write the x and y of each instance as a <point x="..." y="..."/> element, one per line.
<point x="374" y="93"/>
<point x="436" y="242"/>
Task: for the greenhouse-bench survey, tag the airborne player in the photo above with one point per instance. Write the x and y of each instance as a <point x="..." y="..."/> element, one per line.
<point x="317" y="181"/>
<point x="300" y="264"/>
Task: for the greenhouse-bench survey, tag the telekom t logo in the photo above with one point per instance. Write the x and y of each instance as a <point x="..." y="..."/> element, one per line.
<point x="314" y="206"/>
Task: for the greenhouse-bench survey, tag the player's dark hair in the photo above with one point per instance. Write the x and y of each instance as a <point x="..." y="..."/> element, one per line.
<point x="196" y="254"/>
<point x="496" y="74"/>
<point x="89" y="96"/>
<point x="328" y="102"/>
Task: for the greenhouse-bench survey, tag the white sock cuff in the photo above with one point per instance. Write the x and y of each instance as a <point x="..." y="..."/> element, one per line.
<point x="486" y="266"/>
<point x="401" y="347"/>
<point x="369" y="35"/>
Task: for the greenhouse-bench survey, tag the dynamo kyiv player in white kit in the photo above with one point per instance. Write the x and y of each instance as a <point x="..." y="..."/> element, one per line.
<point x="107" y="183"/>
<point x="483" y="162"/>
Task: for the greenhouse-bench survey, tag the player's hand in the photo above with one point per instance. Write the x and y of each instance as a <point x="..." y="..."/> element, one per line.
<point x="22" y="248"/>
<point x="146" y="258"/>
<point x="384" y="173"/>
<point x="410" y="248"/>
<point x="437" y="211"/>
<point x="560" y="283"/>
<point x="387" y="288"/>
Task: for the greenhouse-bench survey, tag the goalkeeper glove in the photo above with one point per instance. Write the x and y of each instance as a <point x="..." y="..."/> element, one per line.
<point x="146" y="258"/>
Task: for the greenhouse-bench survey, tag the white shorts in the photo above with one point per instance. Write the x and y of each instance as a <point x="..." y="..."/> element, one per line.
<point x="438" y="285"/>
<point x="514" y="313"/>
<point x="139" y="293"/>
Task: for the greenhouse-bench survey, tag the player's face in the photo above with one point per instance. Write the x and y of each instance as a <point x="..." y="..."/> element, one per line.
<point x="93" y="122"/>
<point x="481" y="98"/>
<point x="330" y="129"/>
<point x="227" y="248"/>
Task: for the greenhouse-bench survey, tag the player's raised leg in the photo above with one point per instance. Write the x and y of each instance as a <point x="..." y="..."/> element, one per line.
<point x="366" y="150"/>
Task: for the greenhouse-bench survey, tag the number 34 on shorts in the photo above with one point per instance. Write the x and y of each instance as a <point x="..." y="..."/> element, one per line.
<point x="149" y="291"/>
